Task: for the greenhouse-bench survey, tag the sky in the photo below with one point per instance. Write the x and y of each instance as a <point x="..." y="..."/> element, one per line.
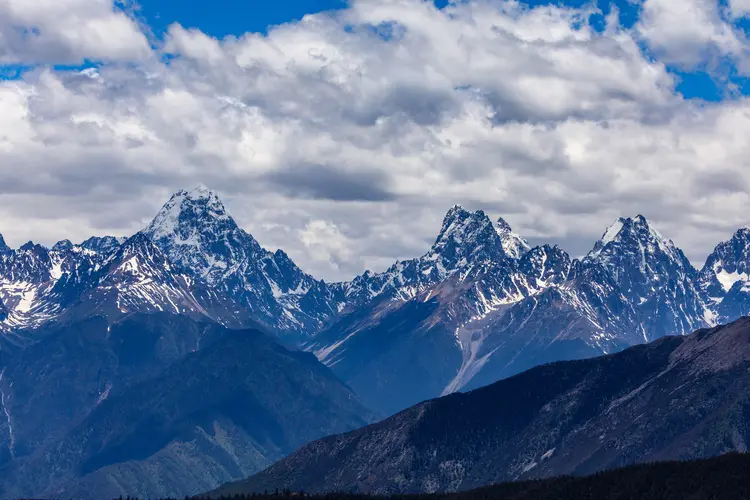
<point x="342" y="132"/>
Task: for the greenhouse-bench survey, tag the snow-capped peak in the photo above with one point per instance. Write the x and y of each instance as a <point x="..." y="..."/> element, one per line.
<point x="728" y="264"/>
<point x="200" y="192"/>
<point x="513" y="244"/>
<point x="138" y="248"/>
<point x="611" y="233"/>
<point x="461" y="226"/>
<point x="502" y="226"/>
<point x="466" y="237"/>
<point x="634" y="231"/>
<point x="196" y="208"/>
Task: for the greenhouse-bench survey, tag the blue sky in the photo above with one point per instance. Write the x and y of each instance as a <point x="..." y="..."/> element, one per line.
<point x="230" y="17"/>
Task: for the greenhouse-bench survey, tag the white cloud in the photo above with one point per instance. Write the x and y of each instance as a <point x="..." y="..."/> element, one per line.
<point x="739" y="8"/>
<point x="691" y="32"/>
<point x="324" y="242"/>
<point x="343" y="139"/>
<point x="68" y="32"/>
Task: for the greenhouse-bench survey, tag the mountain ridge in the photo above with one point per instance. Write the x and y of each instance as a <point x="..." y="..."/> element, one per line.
<point x="482" y="301"/>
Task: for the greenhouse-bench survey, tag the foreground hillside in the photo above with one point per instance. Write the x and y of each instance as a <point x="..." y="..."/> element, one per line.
<point x="676" y="398"/>
<point x="719" y="478"/>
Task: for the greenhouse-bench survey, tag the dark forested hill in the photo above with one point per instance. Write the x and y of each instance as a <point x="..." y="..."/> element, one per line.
<point x="676" y="398"/>
<point x="721" y="478"/>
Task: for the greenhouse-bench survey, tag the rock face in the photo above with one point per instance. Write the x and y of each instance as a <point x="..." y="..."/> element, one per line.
<point x="158" y="405"/>
<point x="676" y="398"/>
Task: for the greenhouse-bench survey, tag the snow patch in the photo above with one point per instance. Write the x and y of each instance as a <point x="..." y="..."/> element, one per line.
<point x="27" y="301"/>
<point x="727" y="280"/>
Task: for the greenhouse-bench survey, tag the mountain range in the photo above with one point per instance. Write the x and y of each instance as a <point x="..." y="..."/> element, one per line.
<point x="478" y="306"/>
<point x="105" y="345"/>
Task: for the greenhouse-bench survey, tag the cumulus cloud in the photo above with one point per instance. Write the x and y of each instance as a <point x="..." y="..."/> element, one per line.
<point x="692" y="33"/>
<point x="344" y="138"/>
<point x="326" y="243"/>
<point x="739" y="8"/>
<point x="68" y="32"/>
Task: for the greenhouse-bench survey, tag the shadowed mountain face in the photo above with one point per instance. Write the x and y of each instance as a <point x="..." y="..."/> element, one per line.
<point x="676" y="398"/>
<point x="158" y="405"/>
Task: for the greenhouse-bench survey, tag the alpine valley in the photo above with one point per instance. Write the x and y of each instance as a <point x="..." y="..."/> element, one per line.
<point x="187" y="355"/>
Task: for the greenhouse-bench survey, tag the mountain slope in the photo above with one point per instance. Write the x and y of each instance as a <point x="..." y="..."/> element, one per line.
<point x="49" y="386"/>
<point x="138" y="278"/>
<point x="136" y="412"/>
<point x="676" y="398"/>
<point x="398" y="340"/>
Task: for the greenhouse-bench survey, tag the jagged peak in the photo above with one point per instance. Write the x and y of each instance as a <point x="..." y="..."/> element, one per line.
<point x="456" y="213"/>
<point x="62" y="246"/>
<point x="728" y="262"/>
<point x="550" y="249"/>
<point x="3" y="246"/>
<point x="199" y="204"/>
<point x="199" y="192"/>
<point x="502" y="226"/>
<point x="634" y="229"/>
<point x="106" y="244"/>
<point x="30" y="246"/>
<point x="459" y="225"/>
<point x="138" y="240"/>
<point x="455" y="209"/>
<point x="139" y="248"/>
<point x="743" y="232"/>
<point x="514" y="245"/>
